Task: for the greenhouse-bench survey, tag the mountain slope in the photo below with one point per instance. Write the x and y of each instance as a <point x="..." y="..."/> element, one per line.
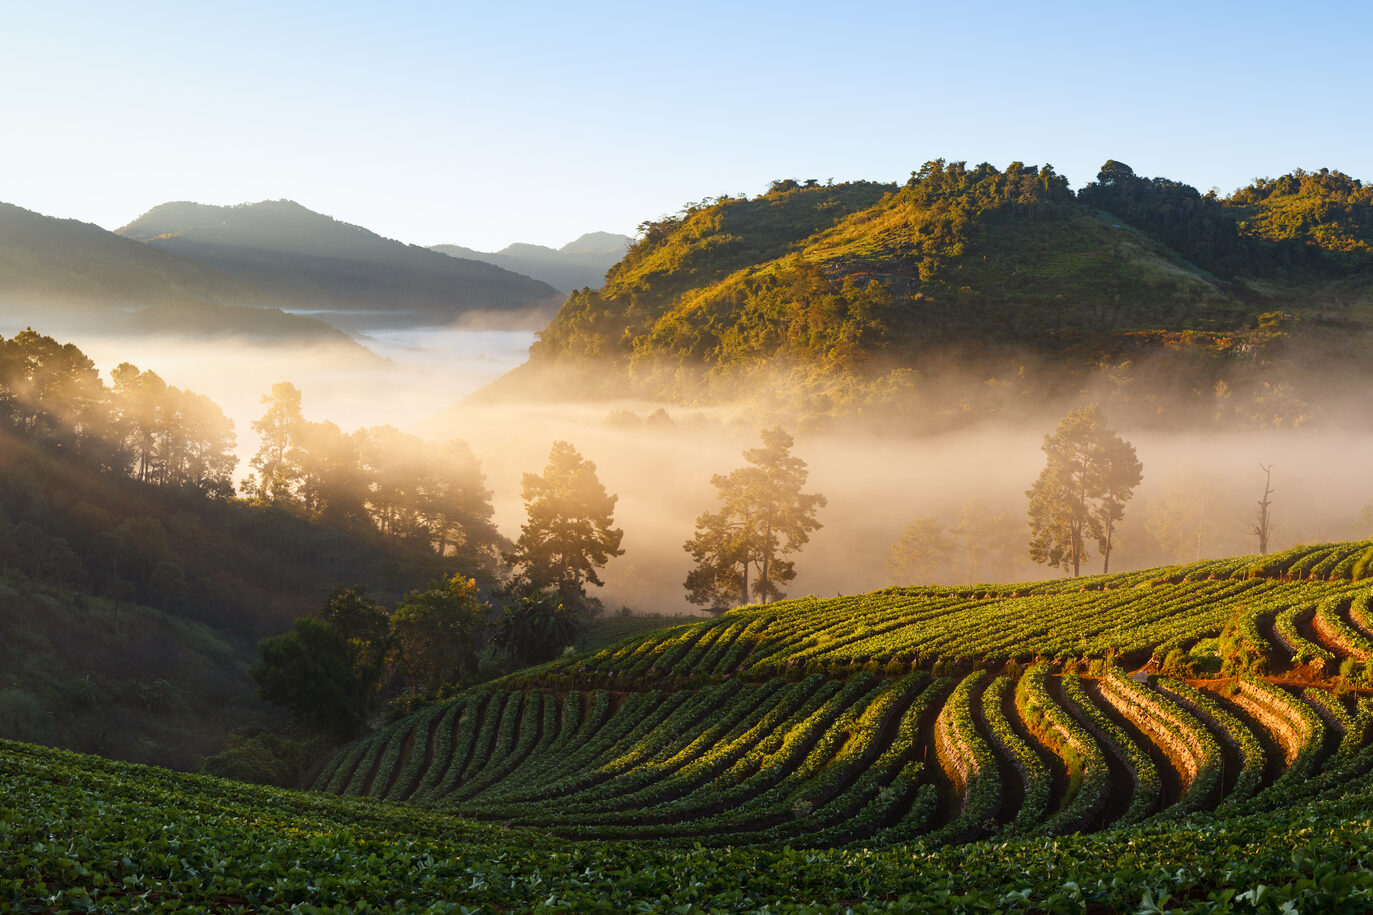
<point x="72" y="276"/>
<point x="1007" y="275"/>
<point x="576" y="265"/>
<point x="303" y="260"/>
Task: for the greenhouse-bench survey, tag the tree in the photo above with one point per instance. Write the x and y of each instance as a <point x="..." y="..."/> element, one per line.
<point x="310" y="671"/>
<point x="921" y="554"/>
<point x="763" y="517"/>
<point x="568" y="536"/>
<point x="435" y="634"/>
<point x="1185" y="518"/>
<point x="364" y="625"/>
<point x="536" y="627"/>
<point x="277" y="460"/>
<point x="327" y="669"/>
<point x="1262" y="525"/>
<point x="1089" y="475"/>
<point x="990" y="542"/>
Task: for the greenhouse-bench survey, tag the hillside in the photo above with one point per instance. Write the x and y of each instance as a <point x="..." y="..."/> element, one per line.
<point x="134" y="586"/>
<point x="70" y="276"/>
<point x="576" y="265"/>
<point x="1005" y="276"/>
<point x="897" y="765"/>
<point x="935" y="714"/>
<point x="304" y="261"/>
<point x="120" y="679"/>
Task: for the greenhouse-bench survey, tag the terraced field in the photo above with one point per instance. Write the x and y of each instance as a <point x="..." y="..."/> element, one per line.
<point x="944" y="715"/>
<point x="1182" y="740"/>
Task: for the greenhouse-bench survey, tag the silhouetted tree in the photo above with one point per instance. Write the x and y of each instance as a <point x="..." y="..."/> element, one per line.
<point x="435" y="634"/>
<point x="277" y="462"/>
<point x="764" y="516"/>
<point x="537" y="626"/>
<point x="1088" y="476"/>
<point x="309" y="670"/>
<point x="568" y="536"/>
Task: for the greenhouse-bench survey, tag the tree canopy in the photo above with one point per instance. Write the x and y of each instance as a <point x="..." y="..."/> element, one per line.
<point x="763" y="517"/>
<point x="1089" y="475"/>
<point x="409" y="489"/>
<point x="569" y="535"/>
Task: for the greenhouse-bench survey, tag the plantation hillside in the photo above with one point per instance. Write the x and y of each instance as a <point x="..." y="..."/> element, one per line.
<point x="87" y="834"/>
<point x="933" y="714"/>
<point x="912" y="750"/>
<point x="863" y="295"/>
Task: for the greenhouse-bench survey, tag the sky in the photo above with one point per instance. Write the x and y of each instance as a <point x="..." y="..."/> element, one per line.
<point x="483" y="124"/>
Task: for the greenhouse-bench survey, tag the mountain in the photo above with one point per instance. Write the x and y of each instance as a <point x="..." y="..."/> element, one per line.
<point x="69" y="276"/>
<point x="576" y="265"/>
<point x="846" y="290"/>
<point x="304" y="261"/>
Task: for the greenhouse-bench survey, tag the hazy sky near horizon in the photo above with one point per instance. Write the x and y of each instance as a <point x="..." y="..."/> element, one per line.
<point x="485" y="124"/>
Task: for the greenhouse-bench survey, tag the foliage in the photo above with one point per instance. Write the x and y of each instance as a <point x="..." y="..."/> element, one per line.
<point x="310" y="670"/>
<point x="433" y="497"/>
<point x="537" y="626"/>
<point x="919" y="555"/>
<point x="147" y="839"/>
<point x="568" y="536"/>
<point x="435" y="635"/>
<point x="979" y="546"/>
<point x="1088" y="477"/>
<point x="764" y="516"/>
<point x="364" y="625"/>
<point x="1005" y="275"/>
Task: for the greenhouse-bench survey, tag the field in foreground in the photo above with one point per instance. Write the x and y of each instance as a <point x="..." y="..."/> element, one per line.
<point x="1184" y="739"/>
<point x="81" y="834"/>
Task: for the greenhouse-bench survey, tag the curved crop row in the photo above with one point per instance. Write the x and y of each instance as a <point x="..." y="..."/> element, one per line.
<point x="1182" y="737"/>
<point x="1147" y="789"/>
<point x="1089" y="780"/>
<point x="1302" y="650"/>
<point x="1330" y="626"/>
<point x="968" y="759"/>
<point x="1034" y="775"/>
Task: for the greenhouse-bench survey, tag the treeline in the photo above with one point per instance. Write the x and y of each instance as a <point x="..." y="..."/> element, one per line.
<point x="408" y="489"/>
<point x="126" y="490"/>
<point x="52" y="393"/>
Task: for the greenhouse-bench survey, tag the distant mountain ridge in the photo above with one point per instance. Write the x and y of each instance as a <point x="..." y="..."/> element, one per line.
<point x="579" y="264"/>
<point x="66" y="275"/>
<point x="302" y="260"/>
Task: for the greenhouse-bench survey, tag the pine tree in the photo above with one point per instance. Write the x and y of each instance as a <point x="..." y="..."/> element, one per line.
<point x="568" y="536"/>
<point x="1089" y="475"/>
<point x="763" y="517"/>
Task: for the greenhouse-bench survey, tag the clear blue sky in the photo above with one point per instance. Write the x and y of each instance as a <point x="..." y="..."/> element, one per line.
<point x="488" y="123"/>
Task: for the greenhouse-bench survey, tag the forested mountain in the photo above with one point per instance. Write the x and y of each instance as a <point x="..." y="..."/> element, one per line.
<point x="576" y="265"/>
<point x="845" y="289"/>
<point x="300" y="259"/>
<point x="69" y="275"/>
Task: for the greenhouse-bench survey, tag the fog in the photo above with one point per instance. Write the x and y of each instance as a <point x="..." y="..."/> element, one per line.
<point x="1196" y="499"/>
<point x="1197" y="489"/>
<point x="420" y="372"/>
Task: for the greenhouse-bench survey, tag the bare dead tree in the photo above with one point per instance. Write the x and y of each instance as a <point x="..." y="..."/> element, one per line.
<point x="1262" y="525"/>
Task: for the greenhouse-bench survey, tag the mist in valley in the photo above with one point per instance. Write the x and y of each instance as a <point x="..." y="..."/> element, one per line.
<point x="963" y="489"/>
